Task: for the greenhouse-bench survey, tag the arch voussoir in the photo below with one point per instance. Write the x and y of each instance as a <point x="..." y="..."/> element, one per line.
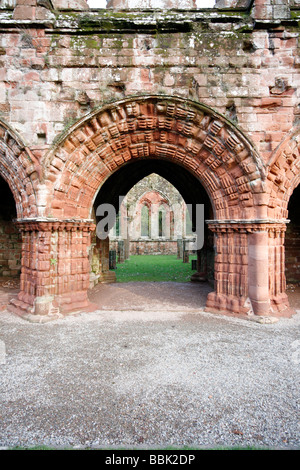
<point x="190" y="135"/>
<point x="19" y="170"/>
<point x="283" y="175"/>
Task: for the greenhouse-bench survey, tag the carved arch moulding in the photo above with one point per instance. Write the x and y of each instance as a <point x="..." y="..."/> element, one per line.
<point x="155" y="127"/>
<point x="19" y="168"/>
<point x="283" y="174"/>
<point x="249" y="276"/>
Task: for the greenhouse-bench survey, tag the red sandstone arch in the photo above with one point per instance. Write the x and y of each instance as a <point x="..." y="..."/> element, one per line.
<point x="19" y="170"/>
<point x="175" y="129"/>
<point x="249" y="253"/>
<point x="283" y="175"/>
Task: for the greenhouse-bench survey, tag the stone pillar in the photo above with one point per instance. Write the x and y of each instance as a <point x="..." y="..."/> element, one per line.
<point x="201" y="270"/>
<point x="258" y="271"/>
<point x="121" y="251"/>
<point x="154" y="221"/>
<point x="249" y="268"/>
<point x="277" y="280"/>
<point x="55" y="272"/>
<point x="179" y="248"/>
<point x="231" y="269"/>
<point x="105" y="274"/>
<point x="267" y="284"/>
<point x="185" y="251"/>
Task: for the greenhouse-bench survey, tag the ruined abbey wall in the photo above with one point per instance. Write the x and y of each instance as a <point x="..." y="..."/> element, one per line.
<point x="166" y="219"/>
<point x="221" y="99"/>
<point x="53" y="75"/>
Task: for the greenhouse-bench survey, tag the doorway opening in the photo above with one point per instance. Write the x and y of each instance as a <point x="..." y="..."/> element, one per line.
<point x="151" y="254"/>
<point x="292" y="249"/>
<point x="10" y="246"/>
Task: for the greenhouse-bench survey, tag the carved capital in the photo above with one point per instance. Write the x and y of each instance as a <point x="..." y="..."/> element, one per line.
<point x="246" y="226"/>
<point x="47" y="225"/>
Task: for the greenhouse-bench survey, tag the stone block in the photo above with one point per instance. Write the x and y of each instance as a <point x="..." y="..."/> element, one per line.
<point x="24" y="12"/>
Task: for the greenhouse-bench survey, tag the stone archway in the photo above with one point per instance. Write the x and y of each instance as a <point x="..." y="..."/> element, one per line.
<point x="21" y="171"/>
<point x="168" y="129"/>
<point x="283" y="176"/>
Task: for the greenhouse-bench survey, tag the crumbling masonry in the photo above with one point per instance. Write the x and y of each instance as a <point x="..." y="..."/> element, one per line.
<point x="91" y="101"/>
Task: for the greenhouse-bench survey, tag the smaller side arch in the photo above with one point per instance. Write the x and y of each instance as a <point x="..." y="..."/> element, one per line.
<point x="20" y="169"/>
<point x="154" y="127"/>
<point x="283" y="175"/>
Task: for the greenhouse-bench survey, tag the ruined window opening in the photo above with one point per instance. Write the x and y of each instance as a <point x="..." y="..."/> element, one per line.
<point x="145" y="221"/>
<point x="11" y="241"/>
<point x="117" y="225"/>
<point x="292" y="239"/>
<point x="188" y="224"/>
<point x="161" y="222"/>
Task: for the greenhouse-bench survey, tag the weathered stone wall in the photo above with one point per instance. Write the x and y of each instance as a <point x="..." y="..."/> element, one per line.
<point x="149" y="247"/>
<point x="292" y="246"/>
<point x="51" y="75"/>
<point x="10" y="238"/>
<point x="10" y="249"/>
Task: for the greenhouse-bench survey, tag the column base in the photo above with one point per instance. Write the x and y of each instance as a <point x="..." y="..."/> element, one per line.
<point x="280" y="306"/>
<point x="107" y="277"/>
<point x="231" y="305"/>
<point x="199" y="277"/>
<point x="39" y="309"/>
<point x="227" y="304"/>
<point x="46" y="308"/>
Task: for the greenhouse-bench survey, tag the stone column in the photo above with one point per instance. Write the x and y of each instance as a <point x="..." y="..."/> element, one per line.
<point x="231" y="269"/>
<point x="55" y="266"/>
<point x="267" y="284"/>
<point x="201" y="273"/>
<point x="249" y="268"/>
<point x="277" y="280"/>
<point x="258" y="271"/>
<point x="105" y="274"/>
<point x="154" y="221"/>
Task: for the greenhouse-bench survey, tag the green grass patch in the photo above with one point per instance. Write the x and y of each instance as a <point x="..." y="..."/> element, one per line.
<point x="154" y="268"/>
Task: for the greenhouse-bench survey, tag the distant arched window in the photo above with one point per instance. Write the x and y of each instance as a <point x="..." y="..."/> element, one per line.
<point x="188" y="223"/>
<point x="161" y="222"/>
<point x="118" y="223"/>
<point x="145" y="221"/>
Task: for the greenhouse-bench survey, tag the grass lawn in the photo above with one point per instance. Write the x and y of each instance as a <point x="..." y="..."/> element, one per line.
<point x="154" y="268"/>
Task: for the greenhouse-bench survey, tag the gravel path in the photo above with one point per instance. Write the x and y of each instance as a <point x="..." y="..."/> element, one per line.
<point x="151" y="378"/>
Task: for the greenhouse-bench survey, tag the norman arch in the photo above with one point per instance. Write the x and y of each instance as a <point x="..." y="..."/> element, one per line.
<point x="20" y="170"/>
<point x="167" y="128"/>
<point x="132" y="137"/>
<point x="283" y="175"/>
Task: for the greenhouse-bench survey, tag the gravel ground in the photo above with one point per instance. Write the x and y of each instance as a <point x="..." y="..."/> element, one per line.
<point x="149" y="378"/>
